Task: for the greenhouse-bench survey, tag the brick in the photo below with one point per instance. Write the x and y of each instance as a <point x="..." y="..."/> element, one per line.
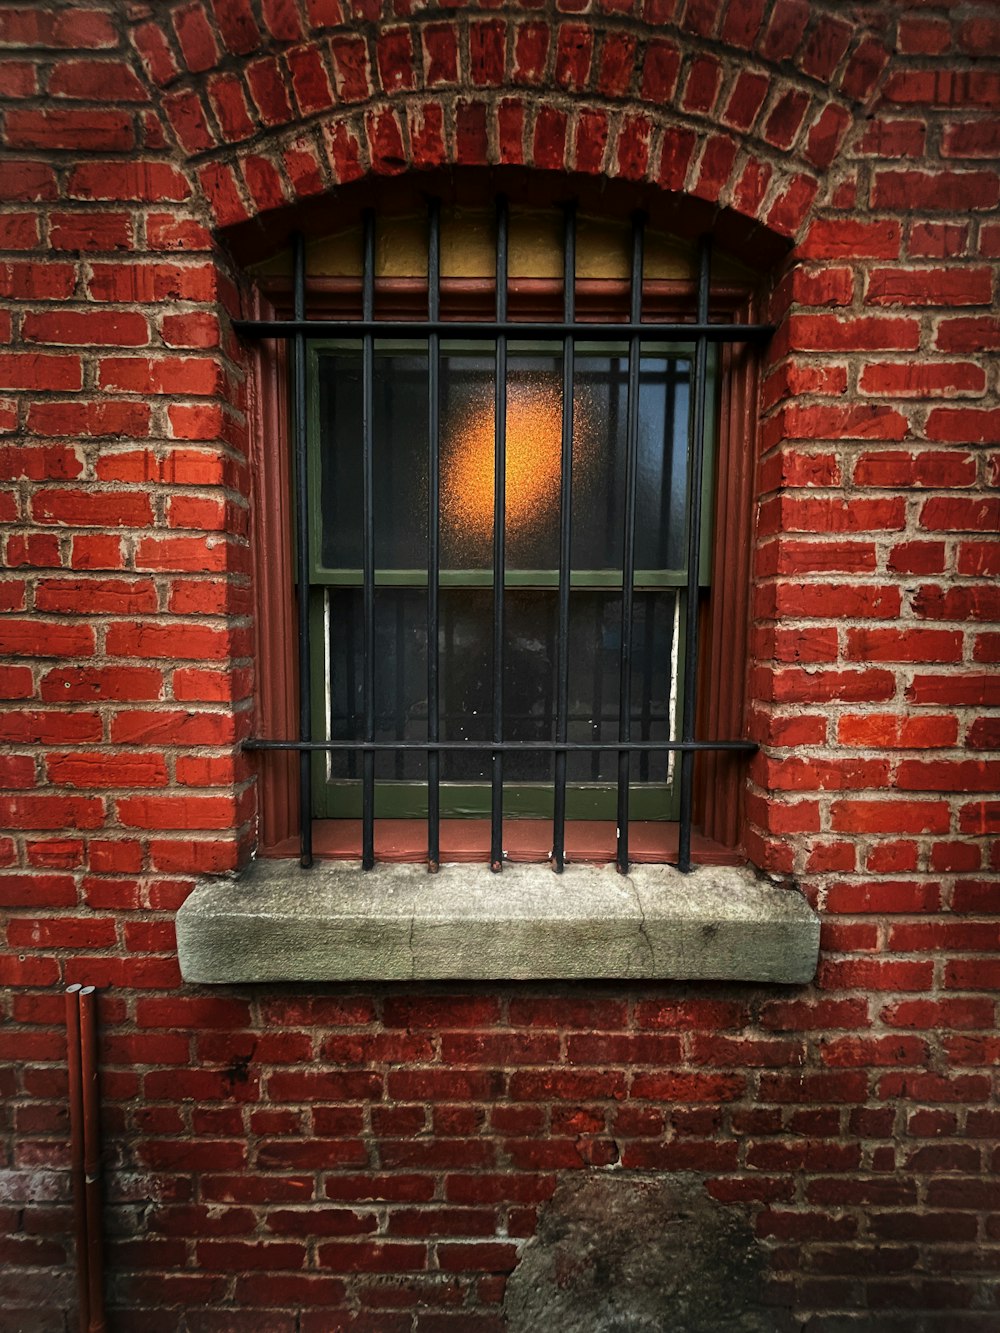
<point x="848" y="238"/>
<point x="89" y="328"/>
<point x="784" y="31"/>
<point x="531" y="47"/>
<point x="352" y="70"/>
<point x="948" y="190"/>
<point x="19" y="231"/>
<point x="701" y="88"/>
<point x="960" y="514"/>
<point x="913" y="645"/>
<point x="828" y="333"/>
<point x="942" y="775"/>
<point x="281" y="18"/>
<point x="889" y="816"/>
<point x="394" y="50"/>
<point x="895" y="731"/>
<point x="92" y="232"/>
<point x="675" y="158"/>
<point x="971" y="139"/>
<point x="661" y="63"/>
<point x="892" y="138"/>
<point x="267" y="88"/>
<point x="197" y="41"/>
<point x="153" y="283"/>
<point x="95" y="596"/>
<point x="52" y="812"/>
<point x="231" y="108"/>
<point x="785" y="119"/>
<point x="155" y="52"/>
<point x="310" y="82"/>
<point x="96" y="81"/>
<point x="927" y="379"/>
<point x="716" y="163"/>
<point x="928" y="286"/>
<point x="91" y="508"/>
<point x="18" y="78"/>
<point x="826" y="135"/>
<point x="135" y="180"/>
<point x="573" y="57"/>
<point x="59" y="130"/>
<point x="92" y="770"/>
<point x="745" y="99"/>
<point x="943" y="88"/>
<point x="440" y="44"/>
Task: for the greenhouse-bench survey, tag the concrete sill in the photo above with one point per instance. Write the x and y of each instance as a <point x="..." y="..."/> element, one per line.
<point x="277" y="922"/>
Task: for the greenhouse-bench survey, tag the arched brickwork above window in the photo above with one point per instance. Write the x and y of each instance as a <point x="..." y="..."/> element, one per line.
<point x="742" y="105"/>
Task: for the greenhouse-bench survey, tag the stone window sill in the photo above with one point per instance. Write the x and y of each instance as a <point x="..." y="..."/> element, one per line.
<point x="277" y="922"/>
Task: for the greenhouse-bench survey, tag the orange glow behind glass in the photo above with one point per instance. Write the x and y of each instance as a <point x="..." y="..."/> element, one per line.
<point x="534" y="446"/>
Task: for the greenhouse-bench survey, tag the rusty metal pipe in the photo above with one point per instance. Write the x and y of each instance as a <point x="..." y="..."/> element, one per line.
<point x="74" y="1072"/>
<point x="92" y="1160"/>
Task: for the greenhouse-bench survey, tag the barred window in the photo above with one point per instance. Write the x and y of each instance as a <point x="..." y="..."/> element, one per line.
<point x="513" y="598"/>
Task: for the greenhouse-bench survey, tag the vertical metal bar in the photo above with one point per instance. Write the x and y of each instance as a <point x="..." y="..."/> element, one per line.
<point x="75" y="1088"/>
<point x="696" y="450"/>
<point x="628" y="544"/>
<point x="565" y="540"/>
<point x="368" y="539"/>
<point x="499" y="536"/>
<point x="303" y="561"/>
<point x="97" y="1322"/>
<point x="433" y="533"/>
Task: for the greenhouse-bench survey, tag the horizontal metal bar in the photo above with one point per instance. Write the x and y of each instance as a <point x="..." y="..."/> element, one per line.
<point x="486" y="747"/>
<point x="529" y="329"/>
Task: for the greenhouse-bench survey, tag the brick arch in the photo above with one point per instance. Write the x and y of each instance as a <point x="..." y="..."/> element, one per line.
<point x="741" y="104"/>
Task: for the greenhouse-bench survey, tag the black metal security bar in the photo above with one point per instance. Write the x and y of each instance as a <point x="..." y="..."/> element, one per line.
<point x="368" y="538"/>
<point x="628" y="539"/>
<point x="565" y="540"/>
<point x="433" y="533"/>
<point x="303" y="569"/>
<point x="700" y="331"/>
<point x="543" y="330"/>
<point x="499" y="538"/>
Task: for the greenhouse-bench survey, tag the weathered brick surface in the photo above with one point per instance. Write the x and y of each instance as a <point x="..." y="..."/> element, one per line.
<point x="301" y="1160"/>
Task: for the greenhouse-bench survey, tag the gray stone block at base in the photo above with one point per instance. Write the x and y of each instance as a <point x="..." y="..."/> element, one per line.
<point x="335" y="922"/>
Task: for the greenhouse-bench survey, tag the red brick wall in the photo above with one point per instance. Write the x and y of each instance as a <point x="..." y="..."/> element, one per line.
<point x="369" y="1158"/>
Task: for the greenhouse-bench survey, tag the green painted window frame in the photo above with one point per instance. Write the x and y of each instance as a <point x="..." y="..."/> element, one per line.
<point x="394" y="799"/>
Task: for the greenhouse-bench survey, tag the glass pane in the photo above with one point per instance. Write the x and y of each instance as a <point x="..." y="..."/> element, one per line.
<point x="530" y="665"/>
<point x="399" y="458"/>
<point x="533" y="444"/>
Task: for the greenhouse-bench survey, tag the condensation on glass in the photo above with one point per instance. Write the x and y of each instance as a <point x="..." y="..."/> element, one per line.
<point x="501" y="526"/>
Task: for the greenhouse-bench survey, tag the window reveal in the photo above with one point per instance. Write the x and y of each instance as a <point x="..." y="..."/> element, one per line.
<point x="476" y="572"/>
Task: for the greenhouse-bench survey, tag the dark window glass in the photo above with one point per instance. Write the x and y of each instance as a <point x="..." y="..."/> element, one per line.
<point x="534" y="434"/>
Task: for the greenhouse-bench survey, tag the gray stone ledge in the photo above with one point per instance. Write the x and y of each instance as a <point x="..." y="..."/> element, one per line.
<point x="277" y="922"/>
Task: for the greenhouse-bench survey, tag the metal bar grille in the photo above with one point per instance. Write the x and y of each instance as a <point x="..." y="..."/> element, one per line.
<point x="499" y="542"/>
<point x="591" y="330"/>
<point x="565" y="541"/>
<point x="368" y="540"/>
<point x="433" y="534"/>
<point x="628" y="540"/>
<point x="303" y="569"/>
<point x="570" y="330"/>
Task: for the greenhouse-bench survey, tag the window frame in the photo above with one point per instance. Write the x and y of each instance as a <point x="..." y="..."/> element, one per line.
<point x="719" y="776"/>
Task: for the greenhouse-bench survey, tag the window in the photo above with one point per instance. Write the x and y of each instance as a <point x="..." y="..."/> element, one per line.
<point x="456" y="673"/>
